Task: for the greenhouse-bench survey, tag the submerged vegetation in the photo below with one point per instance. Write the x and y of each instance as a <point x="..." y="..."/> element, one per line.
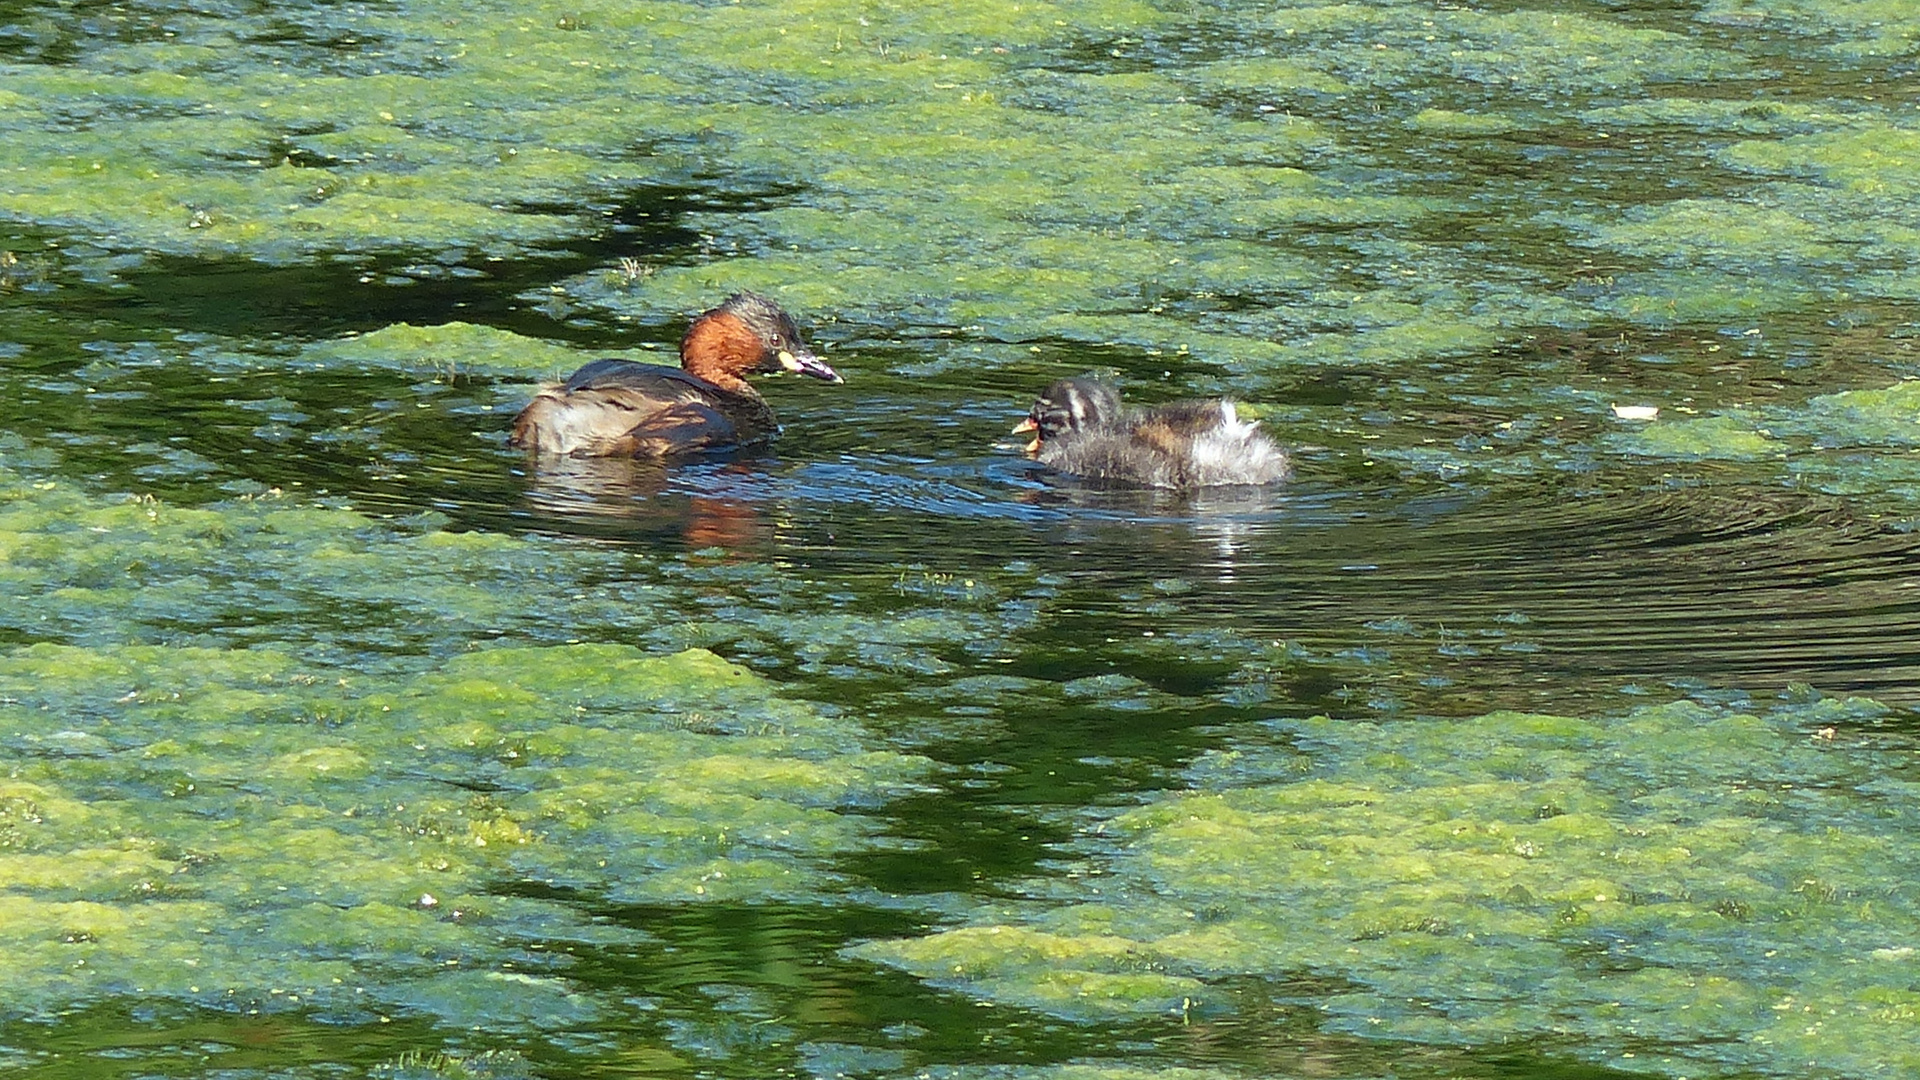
<point x="333" y="736"/>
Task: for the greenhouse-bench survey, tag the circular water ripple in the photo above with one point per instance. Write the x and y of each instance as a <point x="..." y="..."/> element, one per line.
<point x="1715" y="587"/>
<point x="1744" y="588"/>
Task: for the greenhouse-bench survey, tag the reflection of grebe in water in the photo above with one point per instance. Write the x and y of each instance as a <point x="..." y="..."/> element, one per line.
<point x="1178" y="525"/>
<point x="618" y="408"/>
<point x="1080" y="427"/>
<point x="636" y="493"/>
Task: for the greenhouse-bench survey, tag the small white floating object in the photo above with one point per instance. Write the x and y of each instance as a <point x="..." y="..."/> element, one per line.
<point x="1636" y="412"/>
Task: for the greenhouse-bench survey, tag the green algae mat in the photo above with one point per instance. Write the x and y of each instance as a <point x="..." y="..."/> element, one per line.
<point x="1558" y="721"/>
<point x="1644" y="886"/>
<point x="256" y="827"/>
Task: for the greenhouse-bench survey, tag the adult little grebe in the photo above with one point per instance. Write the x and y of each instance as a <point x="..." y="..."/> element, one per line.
<point x="617" y="408"/>
<point x="1080" y="427"/>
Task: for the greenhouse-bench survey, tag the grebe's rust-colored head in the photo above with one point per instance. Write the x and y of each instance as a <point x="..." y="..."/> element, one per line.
<point x="748" y="333"/>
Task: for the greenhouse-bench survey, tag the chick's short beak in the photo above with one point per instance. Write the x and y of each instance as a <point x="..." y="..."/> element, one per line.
<point x="1025" y="426"/>
<point x="1033" y="448"/>
<point x="804" y="362"/>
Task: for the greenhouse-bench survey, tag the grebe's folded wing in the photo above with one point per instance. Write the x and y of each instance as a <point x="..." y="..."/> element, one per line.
<point x="666" y="382"/>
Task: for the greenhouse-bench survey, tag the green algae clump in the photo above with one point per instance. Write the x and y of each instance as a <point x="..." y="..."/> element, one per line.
<point x="273" y="821"/>
<point x="454" y="347"/>
<point x="1448" y="121"/>
<point x="1082" y="975"/>
<point x="1883" y="417"/>
<point x="1682" y="877"/>
<point x="1731" y="437"/>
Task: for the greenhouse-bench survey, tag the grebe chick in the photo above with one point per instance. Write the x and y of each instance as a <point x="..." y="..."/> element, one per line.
<point x="1080" y="427"/>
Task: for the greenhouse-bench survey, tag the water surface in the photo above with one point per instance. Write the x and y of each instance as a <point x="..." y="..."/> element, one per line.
<point x="1516" y="737"/>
